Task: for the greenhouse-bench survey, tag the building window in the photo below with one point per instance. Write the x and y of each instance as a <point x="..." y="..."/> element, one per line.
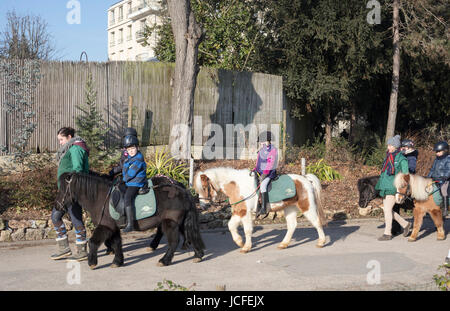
<point x="129" y="8"/>
<point x="111" y="17"/>
<point x="120" y="13"/>
<point x="129" y="33"/>
<point x="120" y="36"/>
<point x="112" y="39"/>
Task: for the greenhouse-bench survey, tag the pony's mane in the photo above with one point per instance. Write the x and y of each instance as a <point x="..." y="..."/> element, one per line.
<point x="84" y="184"/>
<point x="418" y="185"/>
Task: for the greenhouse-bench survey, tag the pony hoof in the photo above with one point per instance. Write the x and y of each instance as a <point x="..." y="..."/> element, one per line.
<point x="440" y="238"/>
<point x="282" y="246"/>
<point x="92" y="267"/>
<point x="150" y="249"/>
<point x="240" y="244"/>
<point x="321" y="244"/>
<point x="244" y="250"/>
<point x="197" y="260"/>
<point x="114" y="265"/>
<point x="111" y="252"/>
<point x="161" y="264"/>
<point x="411" y="240"/>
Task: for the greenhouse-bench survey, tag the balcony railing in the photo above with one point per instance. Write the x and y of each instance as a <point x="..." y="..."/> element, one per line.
<point x="140" y="35"/>
<point x="143" y="9"/>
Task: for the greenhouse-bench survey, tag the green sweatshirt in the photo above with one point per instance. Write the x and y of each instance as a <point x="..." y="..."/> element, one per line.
<point x="386" y="183"/>
<point x="75" y="160"/>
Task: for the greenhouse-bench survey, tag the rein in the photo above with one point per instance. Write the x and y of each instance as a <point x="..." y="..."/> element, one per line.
<point x="227" y="200"/>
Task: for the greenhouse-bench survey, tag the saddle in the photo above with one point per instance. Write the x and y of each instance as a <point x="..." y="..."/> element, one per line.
<point x="144" y="203"/>
<point x="280" y="188"/>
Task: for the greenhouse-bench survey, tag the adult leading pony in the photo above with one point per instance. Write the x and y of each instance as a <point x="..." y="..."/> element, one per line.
<point x="175" y="214"/>
<point x="239" y="187"/>
<point x="423" y="202"/>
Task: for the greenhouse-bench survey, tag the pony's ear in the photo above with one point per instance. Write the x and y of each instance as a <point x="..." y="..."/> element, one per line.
<point x="406" y="178"/>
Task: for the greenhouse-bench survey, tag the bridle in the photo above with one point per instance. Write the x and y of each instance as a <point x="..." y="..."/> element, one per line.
<point x="61" y="204"/>
<point x="209" y="198"/>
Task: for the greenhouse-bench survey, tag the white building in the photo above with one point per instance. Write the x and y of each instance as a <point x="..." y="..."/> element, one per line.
<point x="126" y="21"/>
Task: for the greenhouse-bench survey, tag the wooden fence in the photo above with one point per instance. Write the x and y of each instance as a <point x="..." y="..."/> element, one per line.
<point x="222" y="97"/>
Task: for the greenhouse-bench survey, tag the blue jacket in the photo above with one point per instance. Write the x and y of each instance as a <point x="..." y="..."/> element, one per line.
<point x="412" y="160"/>
<point x="134" y="171"/>
<point x="441" y="169"/>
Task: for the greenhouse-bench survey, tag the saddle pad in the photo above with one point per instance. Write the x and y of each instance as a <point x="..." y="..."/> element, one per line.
<point x="437" y="196"/>
<point x="281" y="188"/>
<point x="145" y="204"/>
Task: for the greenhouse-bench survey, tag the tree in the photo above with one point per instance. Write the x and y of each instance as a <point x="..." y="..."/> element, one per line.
<point x="26" y="37"/>
<point x="91" y="126"/>
<point x="21" y="80"/>
<point x="421" y="27"/>
<point x="325" y="50"/>
<point x="390" y="128"/>
<point x="232" y="28"/>
<point x="187" y="34"/>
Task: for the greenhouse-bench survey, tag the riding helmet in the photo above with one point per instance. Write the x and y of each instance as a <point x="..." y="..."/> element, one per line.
<point x="130" y="131"/>
<point x="407" y="143"/>
<point x="265" y="136"/>
<point x="130" y="140"/>
<point x="441" y="146"/>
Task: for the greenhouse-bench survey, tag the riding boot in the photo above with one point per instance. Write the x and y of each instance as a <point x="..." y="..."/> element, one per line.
<point x="63" y="249"/>
<point x="265" y="206"/>
<point x="130" y="219"/>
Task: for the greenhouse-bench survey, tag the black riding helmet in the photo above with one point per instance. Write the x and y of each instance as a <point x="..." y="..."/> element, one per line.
<point x="441" y="146"/>
<point x="130" y="131"/>
<point x="130" y="140"/>
<point x="408" y="143"/>
<point x="265" y="136"/>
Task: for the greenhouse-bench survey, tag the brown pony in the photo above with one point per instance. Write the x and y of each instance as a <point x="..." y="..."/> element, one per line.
<point x="420" y="188"/>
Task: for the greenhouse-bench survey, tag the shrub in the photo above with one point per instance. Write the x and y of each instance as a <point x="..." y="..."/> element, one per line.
<point x="323" y="171"/>
<point x="35" y="189"/>
<point x="163" y="163"/>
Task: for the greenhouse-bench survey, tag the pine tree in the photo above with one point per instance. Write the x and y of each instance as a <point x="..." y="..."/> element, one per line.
<point x="91" y="126"/>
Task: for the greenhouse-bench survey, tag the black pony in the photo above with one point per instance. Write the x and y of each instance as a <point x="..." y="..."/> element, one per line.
<point x="176" y="213"/>
<point x="367" y="192"/>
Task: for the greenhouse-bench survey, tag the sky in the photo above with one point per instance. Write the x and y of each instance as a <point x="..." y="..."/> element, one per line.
<point x="70" y="37"/>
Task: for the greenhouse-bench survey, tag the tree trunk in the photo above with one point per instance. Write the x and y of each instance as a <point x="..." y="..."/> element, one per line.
<point x="328" y="128"/>
<point x="188" y="35"/>
<point x="390" y="129"/>
<point x="351" y="136"/>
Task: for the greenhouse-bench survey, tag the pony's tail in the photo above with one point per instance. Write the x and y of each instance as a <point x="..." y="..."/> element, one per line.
<point x="192" y="228"/>
<point x="318" y="197"/>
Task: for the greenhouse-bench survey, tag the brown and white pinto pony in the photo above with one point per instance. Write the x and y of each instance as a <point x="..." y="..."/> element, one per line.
<point x="238" y="185"/>
<point x="420" y="188"/>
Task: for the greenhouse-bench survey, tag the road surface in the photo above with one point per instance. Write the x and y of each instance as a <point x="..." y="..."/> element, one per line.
<point x="353" y="259"/>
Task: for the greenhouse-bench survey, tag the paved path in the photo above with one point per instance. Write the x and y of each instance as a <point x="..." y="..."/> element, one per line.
<point x="351" y="258"/>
